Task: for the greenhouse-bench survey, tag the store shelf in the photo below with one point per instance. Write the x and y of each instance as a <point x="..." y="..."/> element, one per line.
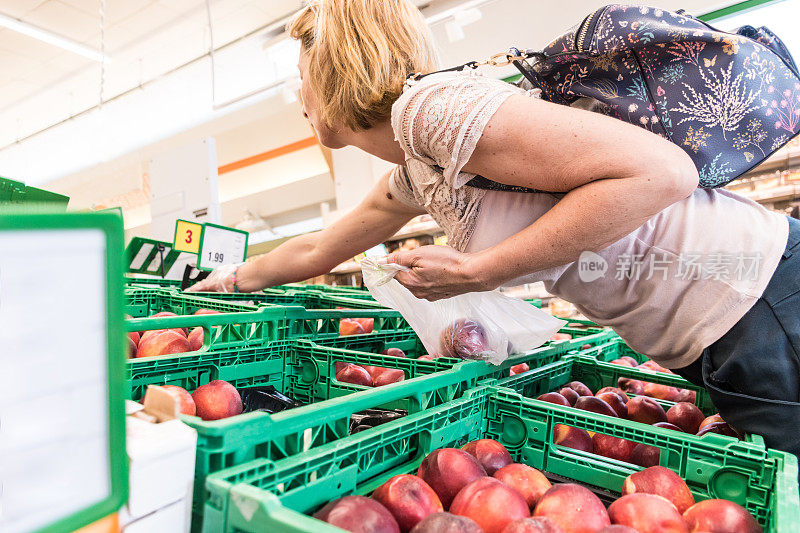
<point x="772" y="194"/>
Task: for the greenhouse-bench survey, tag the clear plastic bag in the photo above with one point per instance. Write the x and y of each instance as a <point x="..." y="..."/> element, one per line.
<point x="486" y="326"/>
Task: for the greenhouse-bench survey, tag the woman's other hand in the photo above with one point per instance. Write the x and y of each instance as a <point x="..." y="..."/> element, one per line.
<point x="437" y="272"/>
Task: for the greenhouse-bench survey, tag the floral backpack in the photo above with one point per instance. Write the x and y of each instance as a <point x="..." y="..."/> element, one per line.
<point x="728" y="99"/>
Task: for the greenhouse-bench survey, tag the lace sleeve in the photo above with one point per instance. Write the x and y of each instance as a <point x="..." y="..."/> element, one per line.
<point x="400" y="187"/>
<point x="440" y="119"/>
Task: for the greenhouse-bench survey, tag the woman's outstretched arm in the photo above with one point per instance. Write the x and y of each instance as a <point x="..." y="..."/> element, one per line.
<point x="373" y="221"/>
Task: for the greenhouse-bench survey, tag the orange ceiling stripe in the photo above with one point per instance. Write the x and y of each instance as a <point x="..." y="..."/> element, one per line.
<point x="269" y="154"/>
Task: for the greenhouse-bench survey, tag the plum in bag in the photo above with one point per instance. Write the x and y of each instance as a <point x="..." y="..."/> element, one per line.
<point x="485" y="326"/>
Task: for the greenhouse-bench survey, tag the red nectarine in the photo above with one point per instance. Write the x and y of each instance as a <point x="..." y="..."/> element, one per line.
<point x="409" y="499"/>
<point x="358" y="514"/>
<point x="613" y="447"/>
<point x="594" y="405"/>
<point x="540" y="524"/>
<point x="448" y="470"/>
<point x="196" y="339"/>
<point x="490" y="503"/>
<point x="355" y="374"/>
<point x="216" y="400"/>
<point x="574" y="508"/>
<point x="646" y="410"/>
<point x="647" y="513"/>
<point x="187" y="406"/>
<point x="490" y="454"/>
<point x="528" y="481"/>
<point x="556" y="398"/>
<point x="446" y="523"/>
<point x="165" y="342"/>
<point x="686" y="416"/>
<point x="720" y="516"/>
<point x="572" y="437"/>
<point x="661" y="482"/>
<point x="350" y="326"/>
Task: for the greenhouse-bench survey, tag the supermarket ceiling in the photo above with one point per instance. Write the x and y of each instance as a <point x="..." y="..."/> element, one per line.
<point x="50" y="90"/>
<point x="43" y="83"/>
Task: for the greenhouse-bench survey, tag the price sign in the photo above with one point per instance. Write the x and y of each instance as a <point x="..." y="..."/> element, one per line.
<point x="187" y="236"/>
<point x="62" y="417"/>
<point x="221" y="246"/>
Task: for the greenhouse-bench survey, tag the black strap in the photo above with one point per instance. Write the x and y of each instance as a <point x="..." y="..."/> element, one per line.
<point x="479" y="182"/>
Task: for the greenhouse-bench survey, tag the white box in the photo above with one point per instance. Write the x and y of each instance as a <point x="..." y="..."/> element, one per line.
<point x="161" y="459"/>
<point x="174" y="518"/>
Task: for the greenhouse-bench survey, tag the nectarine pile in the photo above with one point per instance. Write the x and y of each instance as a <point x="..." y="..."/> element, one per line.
<point x="452" y="493"/>
<point x="156" y="342"/>
<point x="215" y="400"/>
<point x="369" y="376"/>
<point x="614" y="401"/>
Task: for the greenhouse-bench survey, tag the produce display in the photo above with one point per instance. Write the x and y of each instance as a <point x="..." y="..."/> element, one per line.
<point x="622" y="402"/>
<point x="479" y="489"/>
<point x="157" y="342"/>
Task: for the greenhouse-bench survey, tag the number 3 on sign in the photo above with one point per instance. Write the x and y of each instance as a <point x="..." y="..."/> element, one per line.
<point x="187" y="236"/>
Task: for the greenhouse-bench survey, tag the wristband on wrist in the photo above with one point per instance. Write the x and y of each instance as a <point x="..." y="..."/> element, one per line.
<point x="235" y="273"/>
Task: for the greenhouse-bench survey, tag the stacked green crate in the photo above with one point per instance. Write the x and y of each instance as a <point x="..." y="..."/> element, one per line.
<point x="280" y="494"/>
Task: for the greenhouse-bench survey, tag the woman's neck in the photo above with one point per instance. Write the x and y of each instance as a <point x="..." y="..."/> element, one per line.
<point x="379" y="141"/>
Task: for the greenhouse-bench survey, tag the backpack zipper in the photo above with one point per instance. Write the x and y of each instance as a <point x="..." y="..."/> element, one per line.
<point x="589" y="22"/>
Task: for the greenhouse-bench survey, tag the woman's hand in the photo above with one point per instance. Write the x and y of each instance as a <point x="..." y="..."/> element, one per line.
<point x="437" y="272"/>
<point x="221" y="279"/>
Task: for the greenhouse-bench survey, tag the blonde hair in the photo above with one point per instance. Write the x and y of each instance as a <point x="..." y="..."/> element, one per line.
<point x="360" y="53"/>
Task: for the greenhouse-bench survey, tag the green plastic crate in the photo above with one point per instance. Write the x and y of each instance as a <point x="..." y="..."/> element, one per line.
<point x="9" y="189"/>
<point x="613" y="349"/>
<point x="309" y="299"/>
<point x="236" y="347"/>
<point x="309" y="377"/>
<point x="144" y="302"/>
<point x="135" y="281"/>
<point x="312" y="367"/>
<point x="317" y="324"/>
<point x="278" y="495"/>
<point x="592" y="336"/>
<point x="236" y="440"/>
<point x="36" y="196"/>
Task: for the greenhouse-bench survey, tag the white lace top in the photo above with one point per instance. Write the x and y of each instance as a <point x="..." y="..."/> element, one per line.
<point x="645" y="294"/>
<point x="438" y="121"/>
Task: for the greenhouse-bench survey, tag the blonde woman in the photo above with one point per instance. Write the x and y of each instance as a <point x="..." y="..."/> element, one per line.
<point x="623" y="197"/>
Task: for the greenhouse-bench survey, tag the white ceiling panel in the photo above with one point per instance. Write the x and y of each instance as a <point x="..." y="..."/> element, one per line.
<point x="240" y="22"/>
<point x="120" y="10"/>
<point x="19" y="8"/>
<point x="64" y="20"/>
<point x="14" y="90"/>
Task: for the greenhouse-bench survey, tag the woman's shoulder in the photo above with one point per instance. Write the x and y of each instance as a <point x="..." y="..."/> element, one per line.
<point x="435" y="106"/>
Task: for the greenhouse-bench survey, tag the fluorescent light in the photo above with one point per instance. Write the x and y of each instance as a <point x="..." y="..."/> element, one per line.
<point x="51" y="38"/>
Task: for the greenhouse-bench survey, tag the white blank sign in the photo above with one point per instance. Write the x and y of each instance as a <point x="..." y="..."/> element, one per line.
<point x="54" y="450"/>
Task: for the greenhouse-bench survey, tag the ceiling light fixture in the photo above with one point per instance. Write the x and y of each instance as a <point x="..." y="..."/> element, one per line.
<point x="48" y="37"/>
